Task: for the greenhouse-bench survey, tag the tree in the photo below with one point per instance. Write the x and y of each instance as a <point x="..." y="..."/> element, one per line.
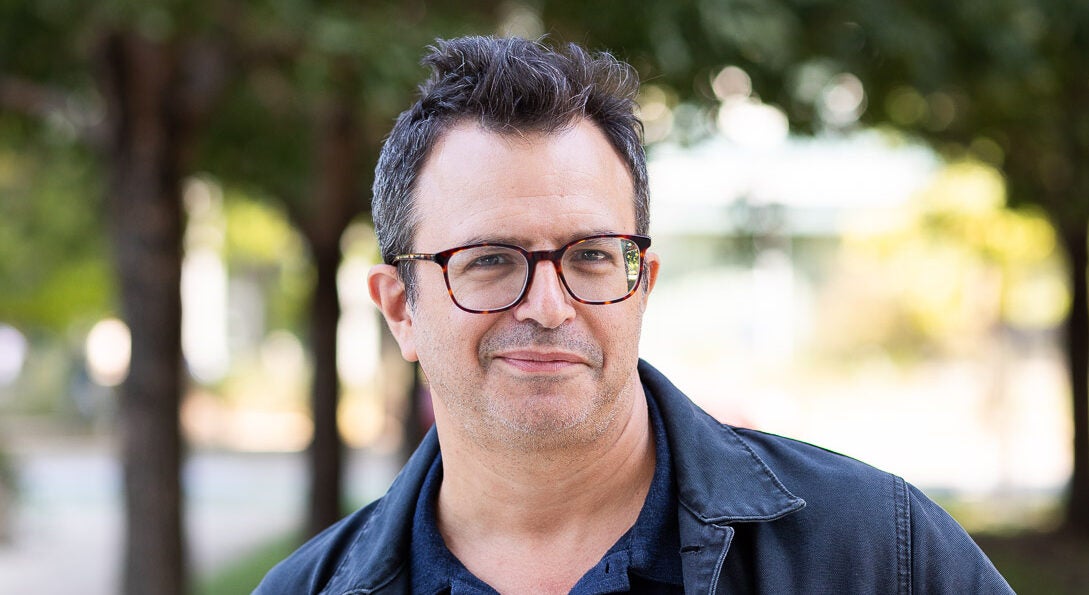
<point x="317" y="92"/>
<point x="132" y="84"/>
<point x="1002" y="80"/>
<point x="1007" y="83"/>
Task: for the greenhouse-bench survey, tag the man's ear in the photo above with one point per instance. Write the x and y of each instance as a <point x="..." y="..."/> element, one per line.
<point x="388" y="293"/>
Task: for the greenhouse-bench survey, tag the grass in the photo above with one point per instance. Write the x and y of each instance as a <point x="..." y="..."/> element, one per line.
<point x="1040" y="563"/>
<point x="242" y="575"/>
<point x="1019" y="533"/>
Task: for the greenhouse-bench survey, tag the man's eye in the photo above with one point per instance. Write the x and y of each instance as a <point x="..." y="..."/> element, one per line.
<point x="592" y="255"/>
<point x="489" y="260"/>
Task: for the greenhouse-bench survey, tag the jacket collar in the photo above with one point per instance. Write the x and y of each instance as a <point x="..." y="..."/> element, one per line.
<point x="718" y="482"/>
<point x="378" y="559"/>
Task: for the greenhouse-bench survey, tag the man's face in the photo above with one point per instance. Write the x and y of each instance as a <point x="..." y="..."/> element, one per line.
<point x="551" y="371"/>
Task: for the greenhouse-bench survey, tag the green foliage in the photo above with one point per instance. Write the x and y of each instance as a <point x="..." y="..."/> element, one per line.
<point x="257" y="233"/>
<point x="8" y="480"/>
<point x="956" y="266"/>
<point x="262" y="245"/>
<point x="53" y="252"/>
<point x="55" y="41"/>
<point x="36" y="38"/>
<point x="303" y="57"/>
<point x="1002" y="80"/>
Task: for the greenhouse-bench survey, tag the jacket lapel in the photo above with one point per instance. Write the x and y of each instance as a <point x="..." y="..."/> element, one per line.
<point x="720" y="481"/>
<point x="703" y="551"/>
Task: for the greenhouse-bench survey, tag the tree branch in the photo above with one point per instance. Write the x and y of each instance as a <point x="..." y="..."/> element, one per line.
<point x="31" y="98"/>
<point x="38" y="100"/>
<point x="206" y="67"/>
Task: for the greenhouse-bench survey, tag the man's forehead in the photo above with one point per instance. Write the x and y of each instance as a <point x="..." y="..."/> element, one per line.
<point x="468" y="143"/>
<point x="531" y="240"/>
<point x="535" y="191"/>
<point x="474" y="137"/>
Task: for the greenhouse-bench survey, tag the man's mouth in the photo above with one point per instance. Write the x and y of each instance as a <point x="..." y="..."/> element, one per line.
<point x="540" y="361"/>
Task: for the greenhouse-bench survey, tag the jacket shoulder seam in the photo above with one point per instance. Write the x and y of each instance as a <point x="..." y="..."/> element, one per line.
<point x="903" y="535"/>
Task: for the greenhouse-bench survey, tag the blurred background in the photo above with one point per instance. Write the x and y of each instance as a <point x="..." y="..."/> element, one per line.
<point x="872" y="218"/>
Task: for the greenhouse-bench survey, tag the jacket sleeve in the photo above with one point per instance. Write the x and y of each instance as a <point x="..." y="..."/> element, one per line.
<point x="944" y="559"/>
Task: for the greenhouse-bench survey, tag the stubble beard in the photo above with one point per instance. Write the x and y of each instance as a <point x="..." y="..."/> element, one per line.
<point x="538" y="414"/>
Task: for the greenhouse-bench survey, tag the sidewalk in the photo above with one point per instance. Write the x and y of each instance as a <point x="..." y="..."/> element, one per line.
<point x="68" y="521"/>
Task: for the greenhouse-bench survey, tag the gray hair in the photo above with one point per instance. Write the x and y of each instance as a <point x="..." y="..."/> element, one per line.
<point x="510" y="86"/>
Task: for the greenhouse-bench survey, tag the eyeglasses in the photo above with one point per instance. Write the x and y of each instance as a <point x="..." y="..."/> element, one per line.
<point x="488" y="278"/>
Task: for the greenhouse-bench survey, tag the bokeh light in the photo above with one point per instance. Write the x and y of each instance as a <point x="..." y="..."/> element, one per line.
<point x="842" y="100"/>
<point x="654" y="107"/>
<point x="108" y="348"/>
<point x="753" y="124"/>
<point x="13" y="349"/>
<point x="731" y="82"/>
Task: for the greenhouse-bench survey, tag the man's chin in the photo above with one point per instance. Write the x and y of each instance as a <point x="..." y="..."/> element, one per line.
<point x="539" y="433"/>
<point x="546" y="419"/>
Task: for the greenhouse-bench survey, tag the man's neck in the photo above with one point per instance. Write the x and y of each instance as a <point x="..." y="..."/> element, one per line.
<point x="551" y="514"/>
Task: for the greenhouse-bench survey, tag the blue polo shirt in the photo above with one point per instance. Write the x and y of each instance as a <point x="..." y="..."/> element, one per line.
<point x="646" y="559"/>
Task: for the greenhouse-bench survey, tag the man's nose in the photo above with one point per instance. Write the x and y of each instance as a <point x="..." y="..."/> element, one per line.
<point x="546" y="301"/>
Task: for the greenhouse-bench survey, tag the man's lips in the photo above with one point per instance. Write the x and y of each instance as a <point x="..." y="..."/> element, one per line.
<point x="538" y="361"/>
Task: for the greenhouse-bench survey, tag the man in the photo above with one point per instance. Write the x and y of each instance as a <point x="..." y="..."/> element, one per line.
<point x="510" y="205"/>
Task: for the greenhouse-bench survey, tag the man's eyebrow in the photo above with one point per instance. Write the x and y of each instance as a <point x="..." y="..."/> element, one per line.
<point x="524" y="241"/>
<point x="489" y="239"/>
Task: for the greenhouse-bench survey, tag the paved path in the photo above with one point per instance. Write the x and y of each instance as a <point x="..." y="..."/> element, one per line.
<point x="67" y="525"/>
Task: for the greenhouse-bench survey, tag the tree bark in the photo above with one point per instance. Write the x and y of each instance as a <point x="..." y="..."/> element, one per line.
<point x="415" y="419"/>
<point x="144" y="155"/>
<point x="1075" y="237"/>
<point x="336" y="202"/>
<point x="326" y="449"/>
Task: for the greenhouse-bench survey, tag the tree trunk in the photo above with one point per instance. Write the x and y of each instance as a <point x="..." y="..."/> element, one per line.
<point x="326" y="449"/>
<point x="144" y="162"/>
<point x="416" y="421"/>
<point x="336" y="202"/>
<point x="1074" y="236"/>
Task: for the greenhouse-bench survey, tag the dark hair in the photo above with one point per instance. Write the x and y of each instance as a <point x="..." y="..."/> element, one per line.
<point x="510" y="86"/>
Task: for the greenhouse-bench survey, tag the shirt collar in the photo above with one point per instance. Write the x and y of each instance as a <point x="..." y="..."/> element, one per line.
<point x="650" y="549"/>
<point x="435" y="569"/>
<point x="655" y="542"/>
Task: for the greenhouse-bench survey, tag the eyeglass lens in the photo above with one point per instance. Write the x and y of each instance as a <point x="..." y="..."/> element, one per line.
<point x="594" y="270"/>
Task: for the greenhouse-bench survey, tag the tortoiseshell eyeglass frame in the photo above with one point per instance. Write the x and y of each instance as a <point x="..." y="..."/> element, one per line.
<point x="532" y="257"/>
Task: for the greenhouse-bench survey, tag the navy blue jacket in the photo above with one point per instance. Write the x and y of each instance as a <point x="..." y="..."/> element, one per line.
<point x="758" y="514"/>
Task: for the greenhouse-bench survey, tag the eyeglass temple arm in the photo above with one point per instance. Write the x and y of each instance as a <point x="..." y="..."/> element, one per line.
<point x="413" y="256"/>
